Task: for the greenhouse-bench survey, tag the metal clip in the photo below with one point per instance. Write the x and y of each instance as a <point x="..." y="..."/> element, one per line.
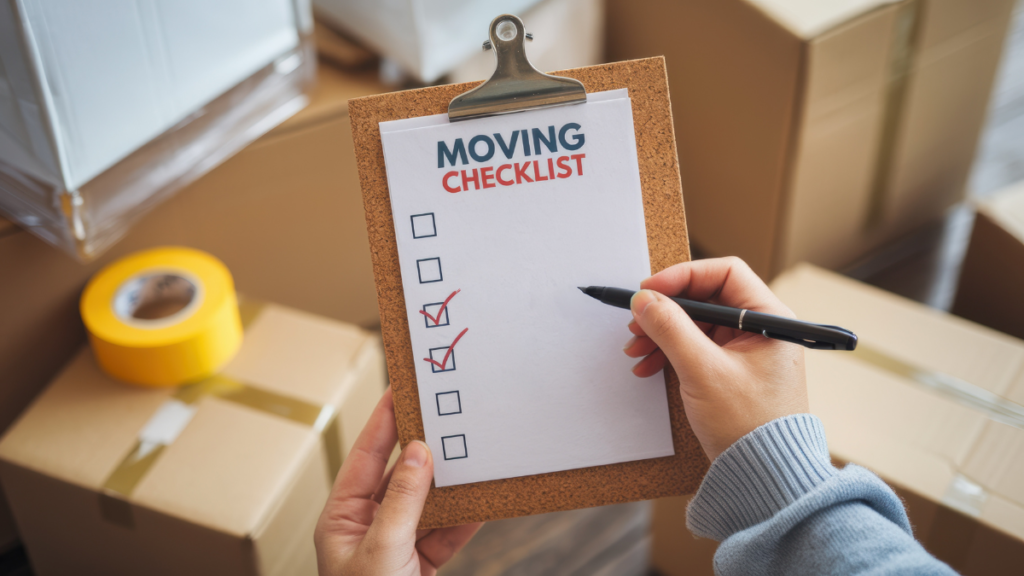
<point x="515" y="85"/>
<point x="487" y="43"/>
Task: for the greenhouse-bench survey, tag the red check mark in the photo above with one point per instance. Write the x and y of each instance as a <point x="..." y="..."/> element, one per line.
<point x="441" y="310"/>
<point x="447" y="354"/>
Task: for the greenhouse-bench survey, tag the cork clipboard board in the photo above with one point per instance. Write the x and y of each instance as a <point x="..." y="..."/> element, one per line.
<point x="668" y="244"/>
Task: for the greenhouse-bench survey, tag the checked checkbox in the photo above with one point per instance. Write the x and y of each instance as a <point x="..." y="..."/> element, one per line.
<point x="454" y="447"/>
<point x="429" y="270"/>
<point x="436" y="313"/>
<point x="449" y="403"/>
<point x="423" y="225"/>
<point x="442" y="358"/>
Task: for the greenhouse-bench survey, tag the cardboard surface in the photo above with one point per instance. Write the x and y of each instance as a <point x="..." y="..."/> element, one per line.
<point x="668" y="244"/>
<point x="818" y="131"/>
<point x="992" y="276"/>
<point x="946" y="450"/>
<point x="285" y="215"/>
<point x="251" y="480"/>
<point x="809" y="18"/>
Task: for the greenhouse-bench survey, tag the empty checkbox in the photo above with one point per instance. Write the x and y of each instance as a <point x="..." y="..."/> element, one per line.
<point x="423" y="225"/>
<point x="449" y="403"/>
<point x="435" y="314"/>
<point x="429" y="270"/>
<point x="454" y="447"/>
<point x="443" y="359"/>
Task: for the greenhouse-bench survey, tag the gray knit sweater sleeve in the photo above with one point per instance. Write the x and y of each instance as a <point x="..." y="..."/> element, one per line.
<point x="778" y="506"/>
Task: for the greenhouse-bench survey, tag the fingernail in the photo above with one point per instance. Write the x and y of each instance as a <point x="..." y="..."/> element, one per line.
<point x="640" y="301"/>
<point x="630" y="343"/>
<point x="635" y="366"/>
<point x="415" y="454"/>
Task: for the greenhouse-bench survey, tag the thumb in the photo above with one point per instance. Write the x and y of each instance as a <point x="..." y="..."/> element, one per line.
<point x="664" y="322"/>
<point x="399" y="513"/>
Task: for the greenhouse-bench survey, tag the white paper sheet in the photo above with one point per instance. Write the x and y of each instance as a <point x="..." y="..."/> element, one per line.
<point x="536" y="380"/>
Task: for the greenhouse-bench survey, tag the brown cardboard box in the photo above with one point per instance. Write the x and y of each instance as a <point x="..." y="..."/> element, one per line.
<point x="818" y="130"/>
<point x="932" y="404"/>
<point x="237" y="492"/>
<point x="285" y="215"/>
<point x="991" y="290"/>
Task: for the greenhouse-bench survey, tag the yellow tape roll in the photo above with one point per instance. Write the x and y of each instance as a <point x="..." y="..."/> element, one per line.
<point x="162" y="317"/>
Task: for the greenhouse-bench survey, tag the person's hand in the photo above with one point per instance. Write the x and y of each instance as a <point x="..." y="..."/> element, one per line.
<point x="731" y="381"/>
<point x="368" y="525"/>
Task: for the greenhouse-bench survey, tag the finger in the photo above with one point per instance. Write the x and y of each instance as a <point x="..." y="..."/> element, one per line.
<point x="672" y="330"/>
<point x="399" y="513"/>
<point x="651" y="365"/>
<point x="639" y="346"/>
<point x="382" y="486"/>
<point x="362" y="470"/>
<point x="635" y="328"/>
<point x="440" y="545"/>
<point x="727" y="281"/>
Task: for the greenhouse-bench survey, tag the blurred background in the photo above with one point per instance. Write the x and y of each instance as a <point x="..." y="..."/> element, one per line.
<point x="864" y="156"/>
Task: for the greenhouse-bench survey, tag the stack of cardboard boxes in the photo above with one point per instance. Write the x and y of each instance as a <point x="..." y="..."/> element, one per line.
<point x="285" y="215"/>
<point x="818" y="131"/>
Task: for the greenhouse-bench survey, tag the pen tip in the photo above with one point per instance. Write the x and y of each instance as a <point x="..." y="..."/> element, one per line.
<point x="582" y="289"/>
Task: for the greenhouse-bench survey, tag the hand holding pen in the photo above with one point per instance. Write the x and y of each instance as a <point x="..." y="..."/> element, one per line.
<point x="731" y="381"/>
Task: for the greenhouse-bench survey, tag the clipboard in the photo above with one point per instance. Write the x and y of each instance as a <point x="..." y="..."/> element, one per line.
<point x="516" y="86"/>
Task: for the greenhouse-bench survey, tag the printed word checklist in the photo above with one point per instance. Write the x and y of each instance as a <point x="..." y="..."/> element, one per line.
<point x="497" y="221"/>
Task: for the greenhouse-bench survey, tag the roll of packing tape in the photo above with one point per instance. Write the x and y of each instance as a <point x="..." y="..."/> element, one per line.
<point x="162" y="317"/>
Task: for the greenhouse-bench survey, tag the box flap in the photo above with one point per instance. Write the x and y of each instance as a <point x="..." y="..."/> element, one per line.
<point x="809" y="18"/>
<point x="228" y="467"/>
<point x="297" y="354"/>
<point x="82" y="425"/>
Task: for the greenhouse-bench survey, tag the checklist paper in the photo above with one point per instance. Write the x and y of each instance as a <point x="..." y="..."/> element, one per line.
<point x="497" y="221"/>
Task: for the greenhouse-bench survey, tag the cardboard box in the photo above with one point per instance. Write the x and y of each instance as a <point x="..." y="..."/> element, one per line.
<point x="818" y="131"/>
<point x="105" y="111"/>
<point x="285" y="215"/>
<point x="932" y="404"/>
<point x="991" y="290"/>
<point x="238" y="491"/>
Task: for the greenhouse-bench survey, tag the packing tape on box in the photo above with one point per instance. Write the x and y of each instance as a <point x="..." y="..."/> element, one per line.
<point x="963" y="494"/>
<point x="971" y="395"/>
<point x="174" y="415"/>
<point x="901" y="63"/>
<point x="162" y="317"/>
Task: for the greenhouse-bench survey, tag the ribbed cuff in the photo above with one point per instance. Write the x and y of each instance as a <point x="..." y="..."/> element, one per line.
<point x="760" y="474"/>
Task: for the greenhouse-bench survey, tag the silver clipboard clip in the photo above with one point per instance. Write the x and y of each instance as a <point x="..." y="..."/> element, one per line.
<point x="516" y="85"/>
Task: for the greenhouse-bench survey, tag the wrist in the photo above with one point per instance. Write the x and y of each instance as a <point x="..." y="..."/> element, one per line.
<point x="761" y="473"/>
